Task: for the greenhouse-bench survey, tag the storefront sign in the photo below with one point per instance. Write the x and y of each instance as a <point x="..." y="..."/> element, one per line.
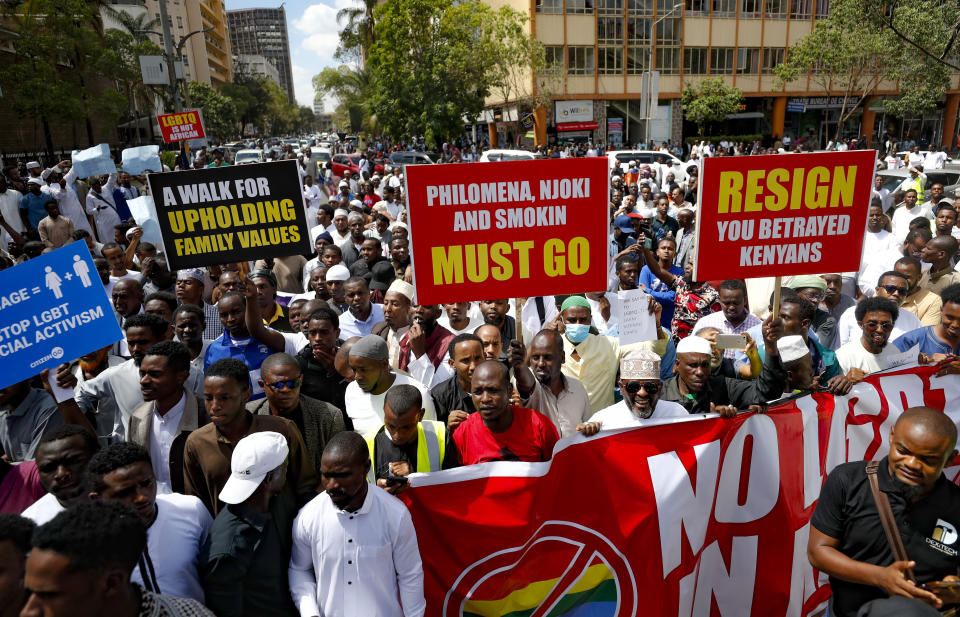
<point x="782" y="215"/>
<point x="574" y="111"/>
<point x="577" y="126"/>
<point x="227" y="214"/>
<point x="818" y="102"/>
<point x="508" y="229"/>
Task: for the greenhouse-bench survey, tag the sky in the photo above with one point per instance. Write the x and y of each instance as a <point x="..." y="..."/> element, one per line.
<point x="313" y="31"/>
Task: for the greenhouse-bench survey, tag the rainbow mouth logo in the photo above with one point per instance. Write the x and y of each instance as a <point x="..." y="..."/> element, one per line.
<point x="563" y="570"/>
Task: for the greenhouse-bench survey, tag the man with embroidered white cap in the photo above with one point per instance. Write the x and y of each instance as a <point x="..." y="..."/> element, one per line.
<point x="697" y="391"/>
<point x="640" y="385"/>
<point x="34" y="169"/>
<point x="798" y="363"/>
<point x="337" y="275"/>
<point x="244" y="564"/>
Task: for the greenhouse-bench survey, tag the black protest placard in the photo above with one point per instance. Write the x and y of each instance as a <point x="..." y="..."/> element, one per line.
<point x="228" y="214"/>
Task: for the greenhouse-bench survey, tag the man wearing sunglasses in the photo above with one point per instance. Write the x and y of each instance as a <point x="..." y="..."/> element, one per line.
<point x="891" y="285"/>
<point x="869" y="354"/>
<point x="640" y="385"/>
<point x="318" y="421"/>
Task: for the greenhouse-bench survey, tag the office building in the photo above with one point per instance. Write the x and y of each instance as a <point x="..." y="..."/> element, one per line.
<point x="263" y="32"/>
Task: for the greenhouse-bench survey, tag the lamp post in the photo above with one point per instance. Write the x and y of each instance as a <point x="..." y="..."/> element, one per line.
<point x="651" y="102"/>
<point x="168" y="48"/>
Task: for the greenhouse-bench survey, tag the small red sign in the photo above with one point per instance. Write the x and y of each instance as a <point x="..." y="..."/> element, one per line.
<point x="181" y="126"/>
<point x="577" y="126"/>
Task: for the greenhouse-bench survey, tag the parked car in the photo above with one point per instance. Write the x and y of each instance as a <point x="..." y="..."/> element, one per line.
<point x="402" y="159"/>
<point x="249" y="156"/>
<point x="949" y="178"/>
<point x="319" y="157"/>
<point x="345" y="165"/>
<point x="506" y="155"/>
<point x="646" y="157"/>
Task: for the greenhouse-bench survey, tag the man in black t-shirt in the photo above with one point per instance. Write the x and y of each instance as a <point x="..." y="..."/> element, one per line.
<point x="847" y="540"/>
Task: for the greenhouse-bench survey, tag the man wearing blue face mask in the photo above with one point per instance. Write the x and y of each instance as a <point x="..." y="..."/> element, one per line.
<point x="593" y="359"/>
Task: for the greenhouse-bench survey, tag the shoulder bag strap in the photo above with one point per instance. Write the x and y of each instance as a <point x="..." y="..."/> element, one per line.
<point x="887" y="519"/>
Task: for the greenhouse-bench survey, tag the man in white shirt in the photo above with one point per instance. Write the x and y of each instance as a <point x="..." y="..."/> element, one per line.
<point x="902" y="216"/>
<point x="880" y="250"/>
<point x="870" y="352"/>
<point x="177" y="525"/>
<point x="893" y="286"/>
<point x="62" y="457"/>
<point x="354" y="545"/>
<point x="311" y="195"/>
<point x="9" y="211"/>
<point x="934" y="159"/>
<point x="913" y="158"/>
<point x="460" y="317"/>
<point x="101" y="206"/>
<point x="340" y="232"/>
<point x="883" y="193"/>
<point x="364" y="397"/>
<point x="934" y="197"/>
<point x="640" y="384"/>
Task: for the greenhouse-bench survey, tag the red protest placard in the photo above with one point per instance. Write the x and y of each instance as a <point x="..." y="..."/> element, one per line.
<point x="782" y="215"/>
<point x="186" y="124"/>
<point x="508" y="229"/>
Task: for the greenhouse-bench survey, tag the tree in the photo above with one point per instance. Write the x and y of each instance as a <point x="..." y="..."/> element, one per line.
<point x="434" y="62"/>
<point x="358" y="33"/>
<point x="709" y="101"/>
<point x="854" y="49"/>
<point x="138" y="27"/>
<point x="57" y="73"/>
<point x="219" y="112"/>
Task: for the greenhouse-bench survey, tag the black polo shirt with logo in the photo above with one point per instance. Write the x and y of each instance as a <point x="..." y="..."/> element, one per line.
<point x="929" y="528"/>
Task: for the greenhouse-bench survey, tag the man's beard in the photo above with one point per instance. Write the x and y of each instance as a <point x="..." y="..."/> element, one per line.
<point x="910" y="491"/>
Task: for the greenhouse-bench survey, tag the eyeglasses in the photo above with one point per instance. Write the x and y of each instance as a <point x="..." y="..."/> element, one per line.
<point x="290" y="384"/>
<point x="893" y="289"/>
<point x="651" y="387"/>
<point x="883" y="325"/>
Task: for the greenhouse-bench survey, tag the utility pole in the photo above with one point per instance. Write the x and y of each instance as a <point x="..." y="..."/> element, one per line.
<point x="171" y="61"/>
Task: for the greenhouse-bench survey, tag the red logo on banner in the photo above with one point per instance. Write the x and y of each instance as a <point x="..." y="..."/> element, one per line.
<point x="782" y="215"/>
<point x="508" y="229"/>
<point x="181" y="126"/>
<point x="577" y="126"/>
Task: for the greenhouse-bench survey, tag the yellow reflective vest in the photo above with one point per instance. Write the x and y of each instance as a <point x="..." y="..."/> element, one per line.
<point x="431" y="443"/>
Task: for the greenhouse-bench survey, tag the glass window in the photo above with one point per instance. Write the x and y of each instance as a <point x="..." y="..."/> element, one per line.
<point x="610" y="60"/>
<point x="638" y="31"/>
<point x="669" y="32"/>
<point x="640" y="7"/>
<point x="610" y="30"/>
<point x="775" y="9"/>
<point x="748" y="61"/>
<point x="610" y="7"/>
<point x="668" y="60"/>
<point x="697" y="8"/>
<point x="721" y="61"/>
<point x="638" y="59"/>
<point x="772" y="56"/>
<point x="823" y="8"/>
<point x="581" y="7"/>
<point x="550" y="7"/>
<point x="800" y="9"/>
<point x="580" y="60"/>
<point x="724" y="8"/>
<point x="695" y="60"/>
<point x="553" y="55"/>
<point x="750" y="8"/>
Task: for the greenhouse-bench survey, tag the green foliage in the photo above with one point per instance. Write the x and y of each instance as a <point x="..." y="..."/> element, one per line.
<point x="710" y="100"/>
<point x="358" y="33"/>
<point x="219" y="111"/>
<point x="855" y="48"/>
<point x="168" y="158"/>
<point x="433" y="62"/>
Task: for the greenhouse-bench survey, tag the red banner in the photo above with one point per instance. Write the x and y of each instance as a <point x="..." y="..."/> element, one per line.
<point x="508" y="229"/>
<point x="181" y="126"/>
<point x="694" y="518"/>
<point x="782" y="215"/>
<point x="577" y="126"/>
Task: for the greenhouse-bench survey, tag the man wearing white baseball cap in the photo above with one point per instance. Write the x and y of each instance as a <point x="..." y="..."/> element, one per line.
<point x="244" y="565"/>
<point x="640" y="385"/>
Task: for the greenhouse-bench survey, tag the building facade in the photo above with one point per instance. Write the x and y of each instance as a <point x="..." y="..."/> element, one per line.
<point x="206" y="55"/>
<point x="255" y="64"/>
<point x="263" y="32"/>
<point x="600" y="50"/>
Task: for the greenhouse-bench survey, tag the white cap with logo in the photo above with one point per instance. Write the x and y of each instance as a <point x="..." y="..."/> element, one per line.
<point x="255" y="456"/>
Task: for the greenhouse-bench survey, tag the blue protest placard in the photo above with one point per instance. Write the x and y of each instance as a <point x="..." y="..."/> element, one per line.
<point x="53" y="309"/>
<point x="141" y="158"/>
<point x="93" y="161"/>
